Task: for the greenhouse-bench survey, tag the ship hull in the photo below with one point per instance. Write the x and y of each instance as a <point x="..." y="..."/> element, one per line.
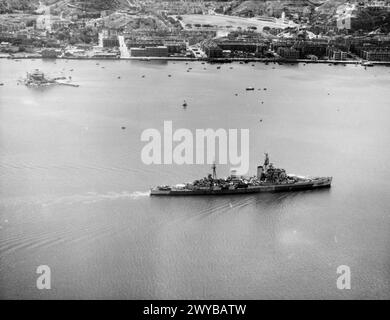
<point x="298" y="186"/>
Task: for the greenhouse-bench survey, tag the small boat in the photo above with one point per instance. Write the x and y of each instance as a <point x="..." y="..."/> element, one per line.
<point x="367" y="64"/>
<point x="185" y="103"/>
<point x="250" y="89"/>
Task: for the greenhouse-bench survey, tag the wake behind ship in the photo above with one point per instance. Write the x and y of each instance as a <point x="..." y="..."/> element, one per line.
<point x="267" y="179"/>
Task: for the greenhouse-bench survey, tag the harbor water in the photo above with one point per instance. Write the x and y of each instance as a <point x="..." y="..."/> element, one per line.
<point x="74" y="189"/>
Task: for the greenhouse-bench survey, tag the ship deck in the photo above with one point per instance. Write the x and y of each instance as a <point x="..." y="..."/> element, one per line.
<point x="297" y="186"/>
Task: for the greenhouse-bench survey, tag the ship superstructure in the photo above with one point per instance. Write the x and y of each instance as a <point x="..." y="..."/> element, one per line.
<point x="267" y="179"/>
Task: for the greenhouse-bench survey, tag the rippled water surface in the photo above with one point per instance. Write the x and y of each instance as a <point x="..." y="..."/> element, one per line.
<point x="74" y="191"/>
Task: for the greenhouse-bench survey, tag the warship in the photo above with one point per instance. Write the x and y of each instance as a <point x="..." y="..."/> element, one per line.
<point x="267" y="179"/>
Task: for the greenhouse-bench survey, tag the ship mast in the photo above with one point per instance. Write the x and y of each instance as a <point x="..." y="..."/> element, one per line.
<point x="214" y="167"/>
<point x="266" y="161"/>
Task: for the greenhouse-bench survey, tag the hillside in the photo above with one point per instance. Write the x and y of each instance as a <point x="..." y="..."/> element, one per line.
<point x="95" y="5"/>
<point x="10" y="6"/>
<point x="239" y="7"/>
<point x="270" y="7"/>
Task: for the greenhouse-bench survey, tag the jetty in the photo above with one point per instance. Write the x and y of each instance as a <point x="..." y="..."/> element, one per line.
<point x="38" y="79"/>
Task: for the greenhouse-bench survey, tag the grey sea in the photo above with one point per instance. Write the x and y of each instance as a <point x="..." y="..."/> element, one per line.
<point x="74" y="190"/>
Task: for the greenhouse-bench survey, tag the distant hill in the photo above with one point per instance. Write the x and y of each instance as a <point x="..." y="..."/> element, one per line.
<point x="96" y="5"/>
<point x="271" y="7"/>
<point x="10" y="6"/>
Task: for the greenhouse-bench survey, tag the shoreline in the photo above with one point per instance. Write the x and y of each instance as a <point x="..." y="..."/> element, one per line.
<point x="208" y="60"/>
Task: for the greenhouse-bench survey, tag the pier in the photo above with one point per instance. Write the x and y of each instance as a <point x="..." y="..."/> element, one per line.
<point x="123" y="48"/>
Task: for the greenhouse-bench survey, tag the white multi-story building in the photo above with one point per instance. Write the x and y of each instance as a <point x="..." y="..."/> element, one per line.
<point x="344" y="15"/>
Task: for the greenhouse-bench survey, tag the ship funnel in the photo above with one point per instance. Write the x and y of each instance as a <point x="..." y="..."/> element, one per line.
<point x="259" y="171"/>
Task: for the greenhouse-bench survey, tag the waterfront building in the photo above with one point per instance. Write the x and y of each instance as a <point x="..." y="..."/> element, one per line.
<point x="110" y="42"/>
<point x="75" y="52"/>
<point x="50" y="53"/>
<point x="159" y="51"/>
<point x="315" y="47"/>
<point x="288" y="53"/>
<point x="360" y="44"/>
<point x="175" y="46"/>
<point x="106" y="55"/>
<point x="143" y="43"/>
<point x="277" y="43"/>
<point x="244" y="46"/>
<point x="211" y="49"/>
<point x="378" y="54"/>
<point x="334" y="53"/>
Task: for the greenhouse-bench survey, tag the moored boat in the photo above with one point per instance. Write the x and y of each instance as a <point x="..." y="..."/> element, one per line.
<point x="367" y="64"/>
